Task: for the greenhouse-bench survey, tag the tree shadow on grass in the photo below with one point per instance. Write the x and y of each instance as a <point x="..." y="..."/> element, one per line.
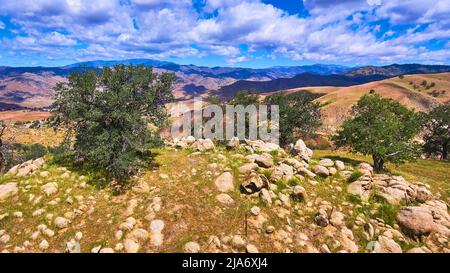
<point x="346" y="160"/>
<point x="97" y="177"/>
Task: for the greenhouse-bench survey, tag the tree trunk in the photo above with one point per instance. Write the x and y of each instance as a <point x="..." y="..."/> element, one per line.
<point x="377" y="163"/>
<point x="445" y="150"/>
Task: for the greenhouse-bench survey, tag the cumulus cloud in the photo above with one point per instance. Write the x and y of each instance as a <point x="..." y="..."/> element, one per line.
<point x="240" y="59"/>
<point x="341" y="31"/>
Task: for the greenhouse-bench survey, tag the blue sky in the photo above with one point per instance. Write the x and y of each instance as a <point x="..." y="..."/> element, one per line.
<point x="245" y="33"/>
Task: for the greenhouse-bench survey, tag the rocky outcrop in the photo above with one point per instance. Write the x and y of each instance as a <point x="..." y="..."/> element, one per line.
<point x="261" y="146"/>
<point x="424" y="219"/>
<point x="27" y="167"/>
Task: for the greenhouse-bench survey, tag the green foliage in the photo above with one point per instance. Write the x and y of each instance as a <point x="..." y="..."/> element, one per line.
<point x="107" y="114"/>
<point x="245" y="98"/>
<point x="299" y="115"/>
<point x="387" y="212"/>
<point x="266" y="172"/>
<point x="294" y="181"/>
<point x="437" y="131"/>
<point x="382" y="128"/>
<point x="354" y="176"/>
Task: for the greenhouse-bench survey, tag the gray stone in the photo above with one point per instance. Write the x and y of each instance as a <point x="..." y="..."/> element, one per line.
<point x="224" y="182"/>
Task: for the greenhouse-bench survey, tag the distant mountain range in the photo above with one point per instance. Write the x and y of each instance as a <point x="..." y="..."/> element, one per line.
<point x="31" y="87"/>
<point x="353" y="77"/>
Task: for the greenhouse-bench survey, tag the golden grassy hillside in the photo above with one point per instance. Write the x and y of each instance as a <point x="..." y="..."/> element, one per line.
<point x="421" y="92"/>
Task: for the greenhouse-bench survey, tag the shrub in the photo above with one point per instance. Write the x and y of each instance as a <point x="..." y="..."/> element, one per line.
<point x="354" y="176"/>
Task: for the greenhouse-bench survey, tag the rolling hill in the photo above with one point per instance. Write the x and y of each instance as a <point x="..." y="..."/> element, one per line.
<point x="409" y="90"/>
<point x="354" y="77"/>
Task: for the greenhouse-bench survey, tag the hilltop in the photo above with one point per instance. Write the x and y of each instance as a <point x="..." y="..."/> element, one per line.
<point x="205" y="198"/>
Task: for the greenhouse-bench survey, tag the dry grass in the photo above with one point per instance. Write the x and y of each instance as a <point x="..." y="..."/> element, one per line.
<point x="23" y="116"/>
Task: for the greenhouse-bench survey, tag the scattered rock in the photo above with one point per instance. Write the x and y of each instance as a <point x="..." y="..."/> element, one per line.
<point x="203" y="145"/>
<point x="247" y="168"/>
<point x="265" y="197"/>
<point x="337" y="218"/>
<point x="339" y="165"/>
<point x="299" y="193"/>
<point x="50" y="188"/>
<point x="326" y="162"/>
<point x="43" y="245"/>
<point x="255" y="210"/>
<point x="191" y="247"/>
<point x="304" y="152"/>
<point x="225" y="199"/>
<point x="422" y="220"/>
<point x="237" y="241"/>
<point x="73" y="247"/>
<point x="61" y="222"/>
<point x="131" y="246"/>
<point x="7" y="190"/>
<point x="252" y="249"/>
<point x="254" y="183"/>
<point x="264" y="160"/>
<point x="321" y="170"/>
<point x="386" y="245"/>
<point x="234" y="143"/>
<point x="283" y="171"/>
<point x="321" y="218"/>
<point x="224" y="182"/>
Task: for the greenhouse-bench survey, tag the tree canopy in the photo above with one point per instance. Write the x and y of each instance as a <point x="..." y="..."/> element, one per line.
<point x="382" y="128"/>
<point x="437" y="131"/>
<point x="299" y="115"/>
<point x="107" y="113"/>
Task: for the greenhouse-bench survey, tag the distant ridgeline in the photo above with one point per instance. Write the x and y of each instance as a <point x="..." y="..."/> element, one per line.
<point x="31" y="87"/>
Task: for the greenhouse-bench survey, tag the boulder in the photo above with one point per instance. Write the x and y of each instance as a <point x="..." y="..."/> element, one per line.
<point x="386" y="245"/>
<point x="266" y="197"/>
<point x="248" y="168"/>
<point x="225" y="199"/>
<point x="254" y="183"/>
<point x="365" y="168"/>
<point x="299" y="193"/>
<point x="8" y="190"/>
<point x="264" y="160"/>
<point x="326" y="162"/>
<point x="233" y="143"/>
<point x="337" y="218"/>
<point x="321" y="218"/>
<point x="204" y="145"/>
<point x="361" y="188"/>
<point x="424" y="219"/>
<point x="191" y="247"/>
<point x="307" y="172"/>
<point x="294" y="163"/>
<point x="224" y="182"/>
<point x="339" y="165"/>
<point x="321" y="170"/>
<point x="61" y="222"/>
<point x="304" y="152"/>
<point x="50" y="188"/>
<point x="283" y="171"/>
<point x="261" y="146"/>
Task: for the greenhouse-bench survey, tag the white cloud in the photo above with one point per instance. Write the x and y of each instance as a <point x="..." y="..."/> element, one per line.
<point x="335" y="30"/>
<point x="240" y="59"/>
<point x="2" y="25"/>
